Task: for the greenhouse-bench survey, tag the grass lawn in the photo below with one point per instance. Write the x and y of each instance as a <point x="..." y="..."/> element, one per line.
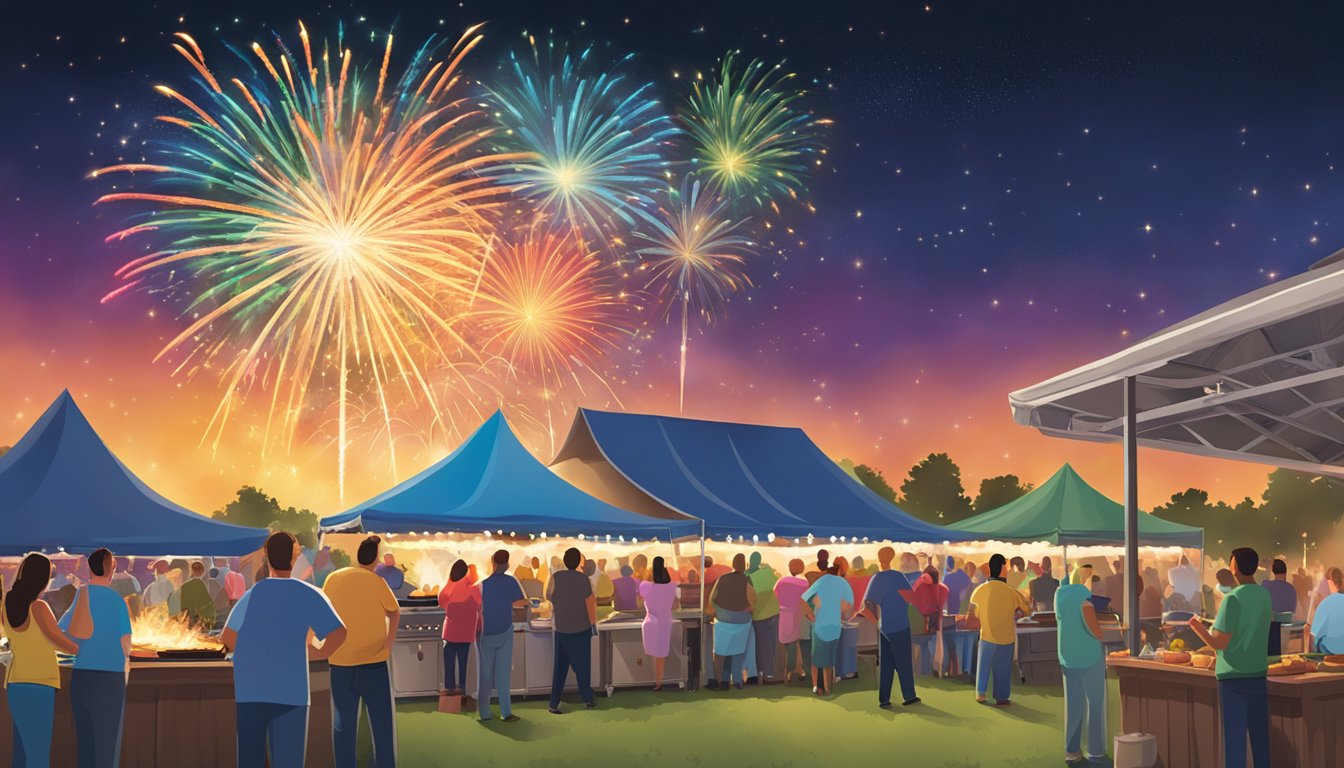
<point x="775" y="726"/>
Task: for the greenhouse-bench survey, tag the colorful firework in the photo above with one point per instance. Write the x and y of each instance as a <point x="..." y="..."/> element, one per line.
<point x="595" y="142"/>
<point x="747" y="134"/>
<point x="550" y="307"/>
<point x="696" y="257"/>
<point x="318" y="218"/>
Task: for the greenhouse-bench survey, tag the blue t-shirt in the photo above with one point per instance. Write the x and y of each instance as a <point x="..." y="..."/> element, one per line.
<point x="270" y="660"/>
<point x="958" y="587"/>
<point x="1327" y="626"/>
<point x="111" y="621"/>
<point x="831" y="590"/>
<point x="884" y="592"/>
<point x="499" y="592"/>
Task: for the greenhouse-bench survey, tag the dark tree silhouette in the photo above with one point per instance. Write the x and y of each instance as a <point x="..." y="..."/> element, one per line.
<point x="876" y="482"/>
<point x="997" y="491"/>
<point x="253" y="507"/>
<point x="933" y="491"/>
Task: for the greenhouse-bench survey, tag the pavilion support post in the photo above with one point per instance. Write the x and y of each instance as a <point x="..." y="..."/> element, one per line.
<point x="1131" y="464"/>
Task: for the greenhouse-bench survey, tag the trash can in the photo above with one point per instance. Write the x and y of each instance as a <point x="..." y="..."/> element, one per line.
<point x="1135" y="750"/>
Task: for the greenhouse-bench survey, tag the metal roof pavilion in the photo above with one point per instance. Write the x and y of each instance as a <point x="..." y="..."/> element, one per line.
<point x="1258" y="378"/>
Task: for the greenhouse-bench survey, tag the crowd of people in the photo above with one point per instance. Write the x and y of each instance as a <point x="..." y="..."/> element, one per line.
<point x="279" y="622"/>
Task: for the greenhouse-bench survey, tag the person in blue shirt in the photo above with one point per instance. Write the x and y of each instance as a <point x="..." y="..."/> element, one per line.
<point x="268" y="634"/>
<point x="98" y="680"/>
<point x="835" y="599"/>
<point x="888" y="598"/>
<point x="1327" y="624"/>
<point x="500" y="594"/>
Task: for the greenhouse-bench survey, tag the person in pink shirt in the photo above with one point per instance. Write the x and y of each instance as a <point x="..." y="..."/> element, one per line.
<point x="789" y="591"/>
<point x="460" y="600"/>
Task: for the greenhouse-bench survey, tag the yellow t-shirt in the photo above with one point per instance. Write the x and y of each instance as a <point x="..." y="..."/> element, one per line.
<point x="995" y="603"/>
<point x="362" y="599"/>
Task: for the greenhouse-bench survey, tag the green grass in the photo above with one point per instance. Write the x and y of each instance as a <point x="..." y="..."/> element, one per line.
<point x="774" y="726"/>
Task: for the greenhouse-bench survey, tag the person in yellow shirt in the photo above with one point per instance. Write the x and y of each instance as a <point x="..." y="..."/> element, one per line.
<point x="996" y="604"/>
<point x="359" y="668"/>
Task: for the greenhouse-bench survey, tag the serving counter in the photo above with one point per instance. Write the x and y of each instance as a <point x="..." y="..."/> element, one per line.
<point x="179" y="713"/>
<point x="1179" y="705"/>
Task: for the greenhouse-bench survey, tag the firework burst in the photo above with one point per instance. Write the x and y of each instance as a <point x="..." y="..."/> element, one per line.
<point x="595" y="142"/>
<point x="318" y="218"/>
<point x="748" y="135"/>
<point x="695" y="255"/>
<point x="545" y="300"/>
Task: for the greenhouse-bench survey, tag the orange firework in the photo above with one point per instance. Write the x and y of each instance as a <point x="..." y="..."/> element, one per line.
<point x="547" y="304"/>
<point x="320" y="222"/>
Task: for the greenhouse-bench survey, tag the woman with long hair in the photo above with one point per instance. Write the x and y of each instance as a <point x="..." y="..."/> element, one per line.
<point x="460" y="600"/>
<point x="32" y="677"/>
<point x="660" y="598"/>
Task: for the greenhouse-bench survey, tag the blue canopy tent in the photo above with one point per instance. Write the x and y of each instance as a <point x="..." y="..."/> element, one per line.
<point x="741" y="479"/>
<point x="492" y="483"/>
<point x="62" y="489"/>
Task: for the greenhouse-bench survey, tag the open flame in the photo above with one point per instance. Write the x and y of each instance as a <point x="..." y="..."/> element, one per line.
<point x="155" y="630"/>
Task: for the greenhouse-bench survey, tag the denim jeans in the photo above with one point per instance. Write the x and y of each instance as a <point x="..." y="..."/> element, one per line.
<point x="97" y="701"/>
<point x="926" y="643"/>
<point x="1085" y="698"/>
<point x="279" y="731"/>
<point x="32" y="707"/>
<point x="455" y="665"/>
<point x="494" y="669"/>
<point x="1245" y="707"/>
<point x="732" y="669"/>
<point x="894" y="660"/>
<point x="766" y="633"/>
<point x="996" y="663"/>
<point x="371" y="684"/>
<point x="573" y="650"/>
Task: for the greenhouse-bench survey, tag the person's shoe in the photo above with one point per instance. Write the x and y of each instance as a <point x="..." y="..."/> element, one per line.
<point x="484" y="720"/>
<point x="590" y="705"/>
<point x="740" y="686"/>
<point x="1072" y="757"/>
<point x="884" y="704"/>
<point x="908" y="702"/>
<point x="1004" y="703"/>
<point x="555" y="710"/>
<point x="1096" y="758"/>
<point x="980" y="699"/>
<point x="511" y="719"/>
<point x="657" y="688"/>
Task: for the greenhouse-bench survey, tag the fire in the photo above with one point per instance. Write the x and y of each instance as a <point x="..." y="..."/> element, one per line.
<point x="154" y="629"/>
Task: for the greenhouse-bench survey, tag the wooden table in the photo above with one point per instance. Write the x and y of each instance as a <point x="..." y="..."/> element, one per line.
<point x="180" y="714"/>
<point x="1179" y="705"/>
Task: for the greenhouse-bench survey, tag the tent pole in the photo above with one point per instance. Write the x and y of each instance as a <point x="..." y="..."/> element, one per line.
<point x="1131" y="472"/>
<point x="704" y="624"/>
<point x="1065" y="580"/>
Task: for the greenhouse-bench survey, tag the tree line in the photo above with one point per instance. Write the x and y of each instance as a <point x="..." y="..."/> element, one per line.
<point x="1295" y="507"/>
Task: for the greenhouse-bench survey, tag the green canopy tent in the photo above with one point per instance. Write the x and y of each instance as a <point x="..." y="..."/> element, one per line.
<point x="1065" y="511"/>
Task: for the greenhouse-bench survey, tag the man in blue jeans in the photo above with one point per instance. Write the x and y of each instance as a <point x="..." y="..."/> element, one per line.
<point x="500" y="594"/>
<point x="268" y="634"/>
<point x="888" y="596"/>
<point x="98" y="681"/>
<point x="1240" y="636"/>
<point x="574" y="613"/>
<point x="359" y="669"/>
<point x="996" y="604"/>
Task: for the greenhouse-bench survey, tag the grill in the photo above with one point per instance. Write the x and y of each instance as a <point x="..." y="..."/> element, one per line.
<point x="416" y="660"/>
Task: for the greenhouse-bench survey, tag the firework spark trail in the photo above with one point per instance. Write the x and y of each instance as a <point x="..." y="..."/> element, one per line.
<point x="321" y="220"/>
<point x="597" y="142"/>
<point x="748" y="135"/>
<point x="695" y="255"/>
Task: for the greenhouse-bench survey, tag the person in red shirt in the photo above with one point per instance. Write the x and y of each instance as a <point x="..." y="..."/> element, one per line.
<point x="930" y="598"/>
<point x="460" y="600"/>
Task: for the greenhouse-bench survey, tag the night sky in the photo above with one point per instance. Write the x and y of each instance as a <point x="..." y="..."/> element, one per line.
<point x="1010" y="190"/>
